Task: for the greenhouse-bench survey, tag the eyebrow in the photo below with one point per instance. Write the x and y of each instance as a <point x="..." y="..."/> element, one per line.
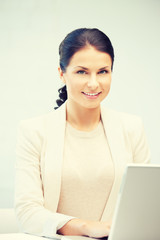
<point x="87" y="68"/>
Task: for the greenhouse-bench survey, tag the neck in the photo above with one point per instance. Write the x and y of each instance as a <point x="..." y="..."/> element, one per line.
<point x="84" y="119"/>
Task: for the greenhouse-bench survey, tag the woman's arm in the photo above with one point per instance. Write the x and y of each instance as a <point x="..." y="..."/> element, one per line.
<point x="30" y="209"/>
<point x="140" y="147"/>
<point x="92" y="229"/>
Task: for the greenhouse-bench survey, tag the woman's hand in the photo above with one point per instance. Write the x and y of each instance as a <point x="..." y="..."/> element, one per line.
<point x="94" y="229"/>
<point x="97" y="229"/>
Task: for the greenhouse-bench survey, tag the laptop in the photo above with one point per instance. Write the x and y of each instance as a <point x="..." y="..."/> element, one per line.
<point x="137" y="212"/>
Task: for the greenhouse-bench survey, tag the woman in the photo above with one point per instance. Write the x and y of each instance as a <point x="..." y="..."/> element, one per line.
<point x="70" y="162"/>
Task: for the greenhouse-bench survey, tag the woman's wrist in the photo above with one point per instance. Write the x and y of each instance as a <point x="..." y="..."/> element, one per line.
<point x="74" y="227"/>
<point x="94" y="229"/>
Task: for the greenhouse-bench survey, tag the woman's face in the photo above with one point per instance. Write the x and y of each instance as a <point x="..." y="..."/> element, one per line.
<point x="88" y="77"/>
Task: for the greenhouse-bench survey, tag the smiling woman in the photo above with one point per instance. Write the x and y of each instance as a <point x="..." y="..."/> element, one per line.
<point x="85" y="80"/>
<point x="73" y="55"/>
<point x="70" y="162"/>
<point x="86" y="62"/>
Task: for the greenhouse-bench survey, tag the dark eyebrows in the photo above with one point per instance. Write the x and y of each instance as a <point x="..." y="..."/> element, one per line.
<point x="104" y="67"/>
<point x="81" y="67"/>
<point x="87" y="68"/>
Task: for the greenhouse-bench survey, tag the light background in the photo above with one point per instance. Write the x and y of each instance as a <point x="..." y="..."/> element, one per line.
<point x="30" y="33"/>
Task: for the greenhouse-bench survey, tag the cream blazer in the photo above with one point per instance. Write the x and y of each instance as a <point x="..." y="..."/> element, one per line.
<point x="39" y="152"/>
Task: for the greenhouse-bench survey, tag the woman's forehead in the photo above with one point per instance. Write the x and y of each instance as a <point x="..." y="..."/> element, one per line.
<point x="89" y="56"/>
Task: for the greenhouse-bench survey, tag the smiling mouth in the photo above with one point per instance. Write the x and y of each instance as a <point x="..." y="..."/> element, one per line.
<point x="91" y="94"/>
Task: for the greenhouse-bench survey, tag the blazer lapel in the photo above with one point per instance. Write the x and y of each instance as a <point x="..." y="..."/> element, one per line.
<point x="54" y="157"/>
<point x="115" y="137"/>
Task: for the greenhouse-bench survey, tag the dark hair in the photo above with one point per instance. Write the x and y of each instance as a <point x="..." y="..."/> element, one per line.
<point x="75" y="41"/>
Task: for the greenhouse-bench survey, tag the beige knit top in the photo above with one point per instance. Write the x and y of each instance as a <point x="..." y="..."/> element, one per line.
<point x="87" y="173"/>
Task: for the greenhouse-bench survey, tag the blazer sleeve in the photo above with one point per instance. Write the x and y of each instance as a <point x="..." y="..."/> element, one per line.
<point x="140" y="147"/>
<point x="31" y="214"/>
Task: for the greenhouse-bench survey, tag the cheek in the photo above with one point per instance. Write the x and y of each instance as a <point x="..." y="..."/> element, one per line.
<point x="73" y="87"/>
<point x="106" y="84"/>
<point x="75" y="84"/>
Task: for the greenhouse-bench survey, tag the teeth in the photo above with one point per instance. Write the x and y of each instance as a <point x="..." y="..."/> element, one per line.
<point x="91" y="94"/>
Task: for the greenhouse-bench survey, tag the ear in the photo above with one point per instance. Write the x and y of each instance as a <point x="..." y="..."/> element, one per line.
<point x="61" y="74"/>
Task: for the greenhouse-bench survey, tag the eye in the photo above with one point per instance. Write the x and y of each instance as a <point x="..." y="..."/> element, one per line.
<point x="103" y="72"/>
<point x="81" y="72"/>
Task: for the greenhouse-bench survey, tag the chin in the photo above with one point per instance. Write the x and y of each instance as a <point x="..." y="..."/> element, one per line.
<point x="91" y="106"/>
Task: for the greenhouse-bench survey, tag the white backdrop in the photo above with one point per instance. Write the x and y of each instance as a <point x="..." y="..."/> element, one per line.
<point x="30" y="33"/>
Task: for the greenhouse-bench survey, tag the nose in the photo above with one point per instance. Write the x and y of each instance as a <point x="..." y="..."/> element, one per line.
<point x="92" y="82"/>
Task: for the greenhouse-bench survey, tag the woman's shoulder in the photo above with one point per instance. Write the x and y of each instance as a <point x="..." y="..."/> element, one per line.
<point x="124" y="116"/>
<point x="52" y="117"/>
<point x="36" y="121"/>
<point x="126" y="120"/>
<point x="39" y="124"/>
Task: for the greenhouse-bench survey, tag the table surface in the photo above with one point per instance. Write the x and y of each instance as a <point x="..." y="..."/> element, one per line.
<point x="23" y="236"/>
<point x="19" y="236"/>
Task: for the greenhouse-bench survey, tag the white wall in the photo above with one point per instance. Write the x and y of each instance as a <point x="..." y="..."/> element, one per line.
<point x="30" y="34"/>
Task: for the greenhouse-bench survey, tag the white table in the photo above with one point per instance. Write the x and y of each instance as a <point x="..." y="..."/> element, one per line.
<point x="20" y="236"/>
<point x="23" y="236"/>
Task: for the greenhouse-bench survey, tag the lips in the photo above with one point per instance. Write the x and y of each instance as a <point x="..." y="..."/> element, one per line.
<point x="91" y="94"/>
